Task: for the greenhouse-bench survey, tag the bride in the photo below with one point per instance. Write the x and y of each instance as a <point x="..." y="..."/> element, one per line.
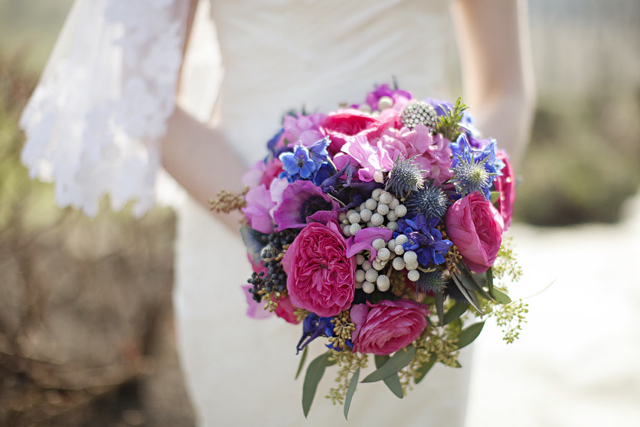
<point x="104" y="120"/>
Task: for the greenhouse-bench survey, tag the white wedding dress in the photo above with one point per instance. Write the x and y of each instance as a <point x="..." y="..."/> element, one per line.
<point x="93" y="127"/>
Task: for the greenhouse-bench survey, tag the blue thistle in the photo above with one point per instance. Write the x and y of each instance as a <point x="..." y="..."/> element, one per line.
<point x="429" y="201"/>
<point x="431" y="281"/>
<point x="404" y="177"/>
<point x="474" y="169"/>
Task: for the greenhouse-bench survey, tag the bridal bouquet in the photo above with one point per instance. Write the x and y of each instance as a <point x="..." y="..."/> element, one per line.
<point x="378" y="229"/>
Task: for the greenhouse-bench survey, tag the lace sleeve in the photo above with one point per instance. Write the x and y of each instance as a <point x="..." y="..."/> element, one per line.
<point x="94" y="123"/>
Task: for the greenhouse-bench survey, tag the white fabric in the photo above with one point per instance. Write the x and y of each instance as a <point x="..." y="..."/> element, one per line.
<point x="276" y="55"/>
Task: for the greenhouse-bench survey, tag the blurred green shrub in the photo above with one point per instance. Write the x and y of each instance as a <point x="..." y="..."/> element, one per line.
<point x="583" y="161"/>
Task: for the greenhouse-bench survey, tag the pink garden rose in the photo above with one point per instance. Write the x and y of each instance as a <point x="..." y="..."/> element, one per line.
<point x="475" y="227"/>
<point x="320" y="276"/>
<point x="343" y="124"/>
<point x="387" y="326"/>
<point x="506" y="185"/>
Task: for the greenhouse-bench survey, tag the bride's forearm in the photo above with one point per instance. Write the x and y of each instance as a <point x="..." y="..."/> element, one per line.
<point x="497" y="71"/>
<point x="196" y="155"/>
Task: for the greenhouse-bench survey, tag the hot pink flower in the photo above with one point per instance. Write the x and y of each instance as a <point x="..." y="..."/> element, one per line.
<point x="272" y="170"/>
<point x="506" y="185"/>
<point x="475" y="227"/>
<point x="387" y="326"/>
<point x="343" y="124"/>
<point x="320" y="276"/>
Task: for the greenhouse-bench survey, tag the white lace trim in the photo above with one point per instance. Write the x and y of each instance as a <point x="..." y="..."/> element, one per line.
<point x="94" y="122"/>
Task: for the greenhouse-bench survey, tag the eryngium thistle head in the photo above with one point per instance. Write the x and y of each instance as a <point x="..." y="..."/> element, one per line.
<point x="404" y="177"/>
<point x="471" y="176"/>
<point x="429" y="201"/>
<point x="431" y="282"/>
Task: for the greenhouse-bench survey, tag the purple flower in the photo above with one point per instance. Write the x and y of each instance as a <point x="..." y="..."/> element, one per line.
<point x="314" y="326"/>
<point x="259" y="204"/>
<point x="302" y="129"/>
<point x="301" y="200"/>
<point x="474" y="169"/>
<point x="297" y="164"/>
<point x="398" y="96"/>
<point x="424" y="239"/>
<point x="363" y="240"/>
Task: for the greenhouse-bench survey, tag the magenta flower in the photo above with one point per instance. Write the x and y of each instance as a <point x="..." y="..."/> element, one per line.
<point x="387" y="326"/>
<point x="300" y="200"/>
<point x="475" y="227"/>
<point x="506" y="185"/>
<point x="320" y="275"/>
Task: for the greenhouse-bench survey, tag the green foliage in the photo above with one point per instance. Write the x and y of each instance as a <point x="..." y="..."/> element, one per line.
<point x="348" y="363"/>
<point x="392" y="381"/>
<point x="506" y="265"/>
<point x="350" y="390"/>
<point x="583" y="160"/>
<point x="315" y="372"/>
<point x="510" y="318"/>
<point x="448" y="125"/>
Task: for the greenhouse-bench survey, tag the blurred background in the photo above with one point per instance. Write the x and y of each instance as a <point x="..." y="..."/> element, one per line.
<point x="85" y="305"/>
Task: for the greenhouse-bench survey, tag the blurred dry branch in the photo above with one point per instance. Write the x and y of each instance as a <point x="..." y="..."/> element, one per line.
<point x="83" y="303"/>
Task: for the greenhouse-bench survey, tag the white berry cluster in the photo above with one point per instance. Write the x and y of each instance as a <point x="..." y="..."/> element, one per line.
<point x="404" y="259"/>
<point x="368" y="275"/>
<point x="381" y="210"/>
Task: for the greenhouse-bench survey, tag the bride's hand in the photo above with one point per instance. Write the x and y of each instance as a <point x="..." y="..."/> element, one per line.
<point x="497" y="72"/>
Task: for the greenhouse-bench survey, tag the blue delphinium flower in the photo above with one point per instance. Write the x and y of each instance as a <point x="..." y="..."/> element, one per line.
<point x="424" y="239"/>
<point x="314" y="326"/>
<point x="474" y="169"/>
<point x="318" y="151"/>
<point x="297" y="164"/>
<point x="310" y="163"/>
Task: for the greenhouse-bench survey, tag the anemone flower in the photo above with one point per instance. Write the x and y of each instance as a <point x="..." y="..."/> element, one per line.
<point x="301" y="202"/>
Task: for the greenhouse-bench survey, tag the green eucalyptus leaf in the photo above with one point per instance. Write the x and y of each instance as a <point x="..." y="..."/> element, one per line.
<point x="490" y="281"/>
<point x="495" y="196"/>
<point x="469" y="334"/>
<point x="501" y="297"/>
<point x="302" y="360"/>
<point x="422" y="371"/>
<point x="439" y="298"/>
<point x="393" y="365"/>
<point x="392" y="381"/>
<point x="469" y="281"/>
<point x="472" y="300"/>
<point x="315" y="371"/>
<point x="352" y="388"/>
<point x="455" y="312"/>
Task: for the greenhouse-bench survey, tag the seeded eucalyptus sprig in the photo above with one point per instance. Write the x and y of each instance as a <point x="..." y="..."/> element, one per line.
<point x="449" y="124"/>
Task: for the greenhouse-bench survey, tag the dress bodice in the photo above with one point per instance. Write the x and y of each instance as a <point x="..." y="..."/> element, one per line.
<point x="281" y="55"/>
